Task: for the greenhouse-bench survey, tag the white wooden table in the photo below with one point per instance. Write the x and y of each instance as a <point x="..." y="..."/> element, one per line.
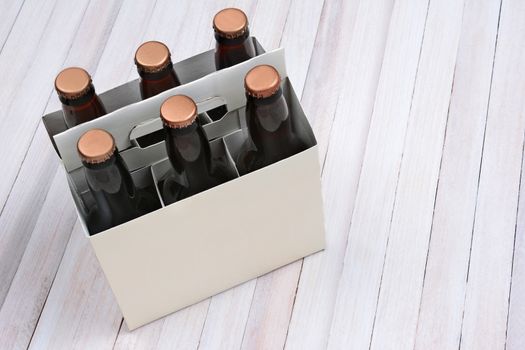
<point x="419" y="110"/>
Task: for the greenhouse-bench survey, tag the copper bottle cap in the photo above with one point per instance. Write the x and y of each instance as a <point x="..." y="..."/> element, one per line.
<point x="96" y="146"/>
<point x="230" y="23"/>
<point x="178" y="111"/>
<point x="152" y="57"/>
<point x="72" y="83"/>
<point x="262" y="81"/>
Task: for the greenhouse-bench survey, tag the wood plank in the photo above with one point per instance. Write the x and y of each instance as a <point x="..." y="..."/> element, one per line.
<point x="181" y="330"/>
<point x="79" y="311"/>
<point x="226" y="318"/>
<point x="271" y="309"/>
<point x="516" y="318"/>
<point x="298" y="39"/>
<point x="274" y="294"/>
<point x="443" y="297"/>
<point x="9" y="11"/>
<point x="19" y="214"/>
<point x="35" y="15"/>
<point x="359" y="285"/>
<point x="315" y="299"/>
<point x="27" y="295"/>
<point x="489" y="277"/>
<point x="268" y="22"/>
<point x="407" y="246"/>
<point x="50" y="43"/>
<point x="331" y="49"/>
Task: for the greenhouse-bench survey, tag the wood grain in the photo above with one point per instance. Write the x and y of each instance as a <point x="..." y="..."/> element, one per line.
<point x="489" y="277"/>
<point x="359" y="285"/>
<point x="323" y="86"/>
<point x="404" y="268"/>
<point x="444" y="286"/>
<point x="50" y="45"/>
<point x="28" y="293"/>
<point x="9" y="11"/>
<point x="80" y="312"/>
<point x="516" y="318"/>
<point x="35" y="15"/>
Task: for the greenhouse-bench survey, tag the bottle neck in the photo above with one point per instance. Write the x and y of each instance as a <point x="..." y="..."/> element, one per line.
<point x="82" y="109"/>
<point x="113" y="189"/>
<point x="152" y="84"/>
<point x="269" y="124"/>
<point x="189" y="153"/>
<point x="229" y="52"/>
<point x="109" y="176"/>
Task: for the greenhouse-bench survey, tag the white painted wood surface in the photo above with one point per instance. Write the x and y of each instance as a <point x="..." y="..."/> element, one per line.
<point x="443" y="298"/>
<point x="419" y="112"/>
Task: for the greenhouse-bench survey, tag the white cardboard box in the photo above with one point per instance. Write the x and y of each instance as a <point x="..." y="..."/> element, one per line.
<point x="195" y="248"/>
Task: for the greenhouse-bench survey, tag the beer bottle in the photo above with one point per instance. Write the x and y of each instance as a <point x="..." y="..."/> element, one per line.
<point x="75" y="90"/>
<point x="234" y="44"/>
<point x="270" y="125"/>
<point x="153" y="60"/>
<point x="116" y="197"/>
<point x="188" y="151"/>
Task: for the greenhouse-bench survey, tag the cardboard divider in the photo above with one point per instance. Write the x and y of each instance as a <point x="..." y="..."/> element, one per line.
<point x="221" y="156"/>
<point x="84" y="199"/>
<point x="152" y="125"/>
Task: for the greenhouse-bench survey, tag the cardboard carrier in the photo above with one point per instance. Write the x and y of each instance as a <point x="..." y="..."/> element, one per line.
<point x="188" y="251"/>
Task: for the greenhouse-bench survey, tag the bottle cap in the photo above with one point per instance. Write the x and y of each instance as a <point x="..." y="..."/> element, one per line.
<point x="96" y="146"/>
<point x="230" y="23"/>
<point x="152" y="57"/>
<point x="72" y="83"/>
<point x="262" y="81"/>
<point x="178" y="111"/>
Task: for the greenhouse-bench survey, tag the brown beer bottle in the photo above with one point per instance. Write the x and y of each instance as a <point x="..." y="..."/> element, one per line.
<point x="234" y="44"/>
<point x="153" y="60"/>
<point x="270" y="125"/>
<point x="188" y="151"/>
<point x="116" y="197"/>
<point x="75" y="90"/>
